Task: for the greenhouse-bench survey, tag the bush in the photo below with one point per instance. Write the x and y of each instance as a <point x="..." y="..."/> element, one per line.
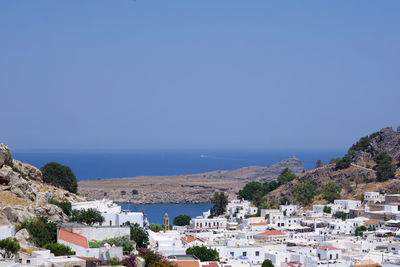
<point x="59" y="249"/>
<point x="330" y="191"/>
<point x="134" y="192"/>
<point x="127" y="245"/>
<point x="182" y="220"/>
<point x="89" y="216"/>
<point x="344" y="163"/>
<point x="59" y="175"/>
<point x="284" y="200"/>
<point x="267" y="263"/>
<point x="155" y="227"/>
<point x="286" y="176"/>
<point x="340" y="215"/>
<point x="250" y="190"/>
<point x="304" y="192"/>
<point x="203" y="253"/>
<point x="9" y="247"/>
<point x="360" y="229"/>
<point x="152" y="257"/>
<point x="65" y="206"/>
<point x="139" y="235"/>
<point x="41" y="231"/>
<point x="15" y="169"/>
<point x="114" y="261"/>
<point x="327" y="209"/>
<point x="130" y="261"/>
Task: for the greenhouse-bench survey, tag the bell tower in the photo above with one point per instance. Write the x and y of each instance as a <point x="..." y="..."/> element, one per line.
<point x="166" y="222"/>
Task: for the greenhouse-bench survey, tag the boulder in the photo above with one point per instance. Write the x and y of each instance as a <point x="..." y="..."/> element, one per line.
<point x="28" y="170"/>
<point x="18" y="213"/>
<point x="51" y="212"/>
<point x="24" y="239"/>
<point x="140" y="262"/>
<point x="5" y="155"/>
<point x="8" y="176"/>
<point x="4" y="220"/>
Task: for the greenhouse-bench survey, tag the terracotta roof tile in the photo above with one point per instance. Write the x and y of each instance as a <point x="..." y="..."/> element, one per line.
<point x="190" y="238"/>
<point x="192" y="263"/>
<point x="272" y="233"/>
<point x="258" y="223"/>
<point x="72" y="238"/>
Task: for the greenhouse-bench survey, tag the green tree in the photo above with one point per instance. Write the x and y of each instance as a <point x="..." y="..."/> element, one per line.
<point x="286" y="176"/>
<point x="340" y="215"/>
<point x="9" y="247"/>
<point x="139" y="235"/>
<point x="41" y="230"/>
<point x="334" y="160"/>
<point x="134" y="192"/>
<point x="59" y="249"/>
<point x="344" y="163"/>
<point x="64" y="205"/>
<point x="384" y="169"/>
<point x="327" y="209"/>
<point x="220" y="200"/>
<point x="304" y="192"/>
<point x="330" y="191"/>
<point x="155" y="227"/>
<point x="182" y="220"/>
<point x="203" y="253"/>
<point x="318" y="163"/>
<point x="360" y="229"/>
<point x="267" y="263"/>
<point x="59" y="175"/>
<point x="89" y="216"/>
<point x="250" y="189"/>
<point x="284" y="200"/>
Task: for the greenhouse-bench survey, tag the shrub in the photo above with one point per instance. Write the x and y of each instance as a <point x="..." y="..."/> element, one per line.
<point x="15" y="169"/>
<point x="134" y="192"/>
<point x="139" y="235"/>
<point x="64" y="205"/>
<point x="151" y="257"/>
<point x="89" y="216"/>
<point x="284" y="200"/>
<point x="340" y="215"/>
<point x="41" y="230"/>
<point x="59" y="175"/>
<point x="182" y="220"/>
<point x="330" y="191"/>
<point x="267" y="263"/>
<point x="327" y="209"/>
<point x="286" y="176"/>
<point x="203" y="253"/>
<point x="114" y="261"/>
<point x="249" y="190"/>
<point x="127" y="245"/>
<point x="130" y="261"/>
<point x="360" y="229"/>
<point x="59" y="249"/>
<point x="304" y="192"/>
<point x="155" y="227"/>
<point x="344" y="163"/>
<point x="9" y="247"/>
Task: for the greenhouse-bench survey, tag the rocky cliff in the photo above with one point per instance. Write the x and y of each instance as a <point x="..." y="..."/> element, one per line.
<point x="23" y="194"/>
<point x="357" y="178"/>
<point x="194" y="188"/>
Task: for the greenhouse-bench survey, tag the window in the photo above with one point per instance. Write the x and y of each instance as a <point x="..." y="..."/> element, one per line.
<point x="28" y="261"/>
<point x="232" y="253"/>
<point x="337" y="256"/>
<point x="257" y="253"/>
<point x="330" y="256"/>
<point x="244" y="253"/>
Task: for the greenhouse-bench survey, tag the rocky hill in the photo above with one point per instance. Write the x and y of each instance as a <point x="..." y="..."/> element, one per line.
<point x="23" y="194"/>
<point x="360" y="176"/>
<point x="194" y="188"/>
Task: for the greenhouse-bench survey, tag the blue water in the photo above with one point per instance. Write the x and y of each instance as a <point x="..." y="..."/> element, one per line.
<point x="90" y="165"/>
<point x="155" y="212"/>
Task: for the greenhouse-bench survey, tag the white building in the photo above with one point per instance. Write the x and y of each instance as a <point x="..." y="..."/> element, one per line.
<point x="208" y="223"/>
<point x="6" y="231"/>
<point x="167" y="243"/>
<point x="347" y="204"/>
<point x="113" y="216"/>
<point x="240" y="208"/>
<point x="329" y="253"/>
<point x="289" y="210"/>
<point x="374" y="197"/>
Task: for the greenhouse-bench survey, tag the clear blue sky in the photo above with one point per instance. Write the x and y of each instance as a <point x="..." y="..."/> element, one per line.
<point x="111" y="74"/>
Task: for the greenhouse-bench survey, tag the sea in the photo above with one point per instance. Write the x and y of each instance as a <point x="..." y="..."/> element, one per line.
<point x="104" y="164"/>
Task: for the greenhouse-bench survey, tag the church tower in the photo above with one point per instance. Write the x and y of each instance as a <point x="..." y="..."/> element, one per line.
<point x="166" y="222"/>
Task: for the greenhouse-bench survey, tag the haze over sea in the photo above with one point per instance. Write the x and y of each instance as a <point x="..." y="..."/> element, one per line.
<point x="98" y="164"/>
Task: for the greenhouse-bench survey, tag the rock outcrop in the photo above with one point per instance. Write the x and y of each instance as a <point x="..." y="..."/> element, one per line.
<point x="24" y="239"/>
<point x="23" y="195"/>
<point x="5" y="155"/>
